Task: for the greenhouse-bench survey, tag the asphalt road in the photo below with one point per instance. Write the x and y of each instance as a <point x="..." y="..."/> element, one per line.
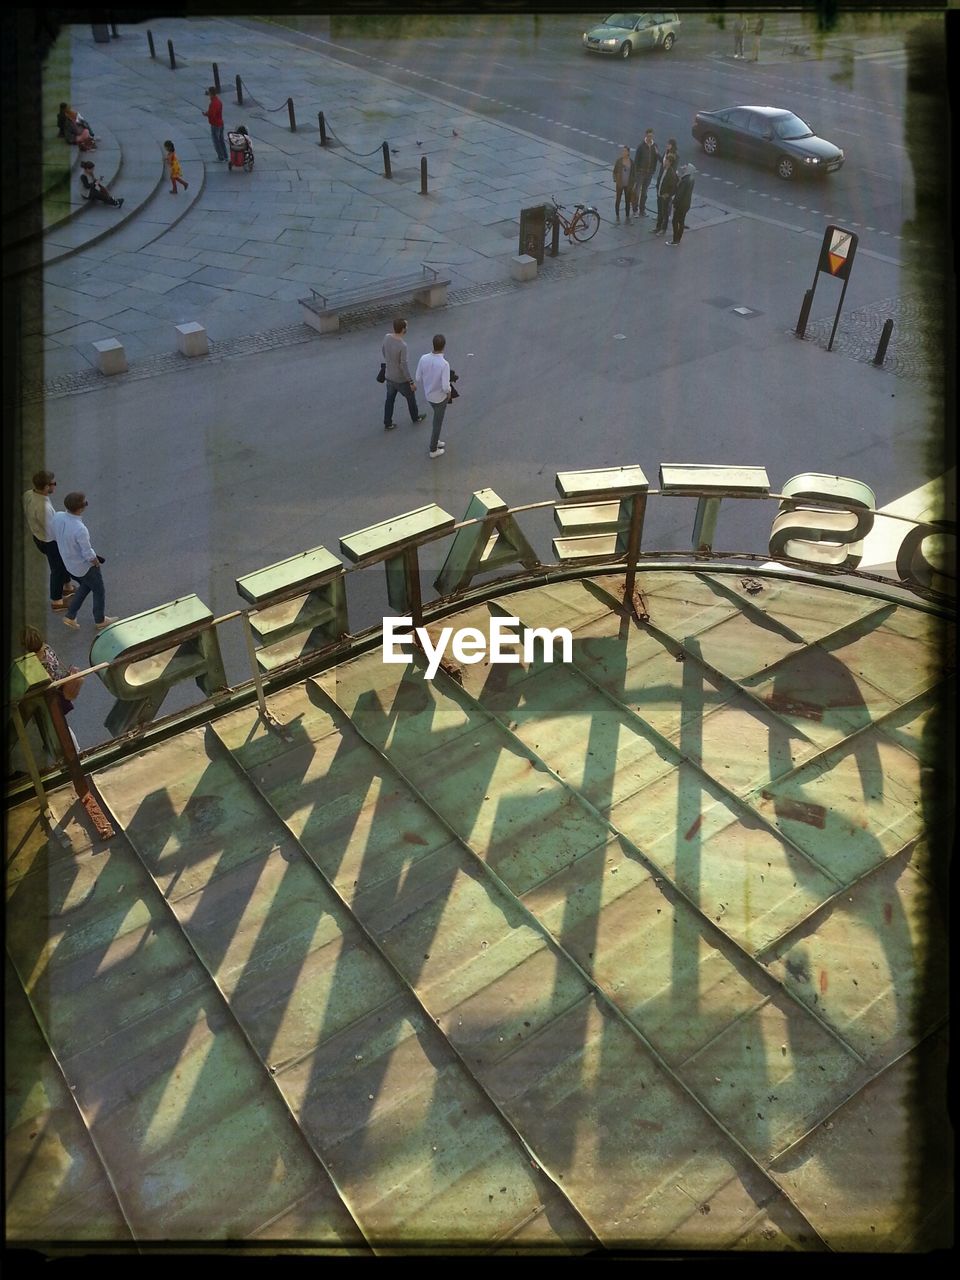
<point x="533" y="73"/>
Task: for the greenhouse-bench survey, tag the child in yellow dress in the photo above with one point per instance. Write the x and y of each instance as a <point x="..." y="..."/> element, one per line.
<point x="176" y="173"/>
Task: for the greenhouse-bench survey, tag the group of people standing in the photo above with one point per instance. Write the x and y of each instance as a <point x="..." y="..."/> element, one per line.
<point x="632" y="177"/>
<point x="740" y="28"/>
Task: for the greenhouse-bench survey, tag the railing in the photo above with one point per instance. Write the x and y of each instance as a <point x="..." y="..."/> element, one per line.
<point x="817" y="534"/>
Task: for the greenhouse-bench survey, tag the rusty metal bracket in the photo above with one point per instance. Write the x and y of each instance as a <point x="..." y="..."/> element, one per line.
<point x="634" y="604"/>
<point x="96" y="815"/>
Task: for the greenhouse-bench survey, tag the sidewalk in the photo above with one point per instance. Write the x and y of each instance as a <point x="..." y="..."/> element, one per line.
<point x="250" y="245"/>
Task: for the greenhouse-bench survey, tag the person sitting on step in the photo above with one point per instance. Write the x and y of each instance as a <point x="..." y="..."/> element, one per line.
<point x="94" y="189"/>
<point x="76" y="130"/>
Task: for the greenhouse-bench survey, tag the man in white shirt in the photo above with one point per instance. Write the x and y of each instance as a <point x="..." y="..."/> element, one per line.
<point x="81" y="561"/>
<point x="39" y="511"/>
<point x="433" y="374"/>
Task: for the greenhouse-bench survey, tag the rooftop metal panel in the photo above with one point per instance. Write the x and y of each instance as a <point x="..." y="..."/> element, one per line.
<point x="626" y="951"/>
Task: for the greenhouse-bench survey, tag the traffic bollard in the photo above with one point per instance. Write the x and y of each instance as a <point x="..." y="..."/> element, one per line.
<point x="323" y="128"/>
<point x="153" y="52"/>
<point x="173" y="61"/>
<point x="292" y="115"/>
<point x="423" y="175"/>
<point x="386" y="161"/>
<point x="239" y="92"/>
<point x="881" y="355"/>
<point x="216" y="77"/>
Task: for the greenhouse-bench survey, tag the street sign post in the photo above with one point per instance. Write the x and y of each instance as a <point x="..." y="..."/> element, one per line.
<point x="837" y="252"/>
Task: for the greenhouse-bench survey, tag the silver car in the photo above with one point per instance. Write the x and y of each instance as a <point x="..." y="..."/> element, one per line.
<point x="626" y="33"/>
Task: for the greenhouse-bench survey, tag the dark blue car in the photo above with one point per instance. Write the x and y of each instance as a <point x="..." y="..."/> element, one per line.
<point x="768" y="134"/>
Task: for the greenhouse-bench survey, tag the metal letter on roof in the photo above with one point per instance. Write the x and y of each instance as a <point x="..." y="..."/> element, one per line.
<point x="396" y="541"/>
<point x="812" y="524"/>
<point x="711" y="484"/>
<point x="481" y="548"/>
<point x="154" y="651"/>
<point x="301" y="606"/>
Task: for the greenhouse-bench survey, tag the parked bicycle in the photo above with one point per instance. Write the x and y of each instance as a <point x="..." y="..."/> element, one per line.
<point x="582" y="224"/>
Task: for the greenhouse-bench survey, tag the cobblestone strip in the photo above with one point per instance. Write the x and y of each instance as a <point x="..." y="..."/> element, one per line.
<point x="285" y="336"/>
<point x="858" y="334"/>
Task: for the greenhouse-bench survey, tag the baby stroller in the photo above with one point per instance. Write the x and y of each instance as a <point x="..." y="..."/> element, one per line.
<point x="241" y="151"/>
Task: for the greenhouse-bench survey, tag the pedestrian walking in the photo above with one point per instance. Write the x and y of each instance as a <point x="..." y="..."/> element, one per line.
<point x="214" y="114"/>
<point x="397" y="373"/>
<point x="757" y="33"/>
<point x="739" y="31"/>
<point x="34" y="643"/>
<point x="40" y="511"/>
<point x="681" y="201"/>
<point x="93" y="189"/>
<point x="433" y="374"/>
<point x="176" y="173"/>
<point x="81" y="561"/>
<point x="645" y="163"/>
<point x="623" y="177"/>
<point x="665" y="194"/>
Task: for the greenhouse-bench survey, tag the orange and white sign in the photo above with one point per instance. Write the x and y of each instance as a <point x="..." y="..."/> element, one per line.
<point x="839" y="249"/>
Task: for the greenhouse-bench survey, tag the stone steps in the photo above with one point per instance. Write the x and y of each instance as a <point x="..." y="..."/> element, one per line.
<point x="130" y="161"/>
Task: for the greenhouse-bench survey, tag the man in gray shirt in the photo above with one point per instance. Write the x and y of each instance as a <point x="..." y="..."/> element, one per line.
<point x="398" y="376"/>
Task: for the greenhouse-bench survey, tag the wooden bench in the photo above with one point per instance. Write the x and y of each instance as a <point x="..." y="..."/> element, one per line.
<point x="322" y="310"/>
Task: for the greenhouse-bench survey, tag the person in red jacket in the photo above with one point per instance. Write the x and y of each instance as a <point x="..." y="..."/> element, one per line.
<point x="214" y="114"/>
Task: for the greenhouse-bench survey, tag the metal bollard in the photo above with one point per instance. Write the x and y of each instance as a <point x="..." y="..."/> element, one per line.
<point x="239" y="92"/>
<point x="293" y="118"/>
<point x="323" y="129"/>
<point x="386" y="161"/>
<point x="216" y="77"/>
<point x="881" y="355"/>
<point x="153" y="52"/>
<point x="804" y="313"/>
<point x="173" y="61"/>
<point x="423" y="175"/>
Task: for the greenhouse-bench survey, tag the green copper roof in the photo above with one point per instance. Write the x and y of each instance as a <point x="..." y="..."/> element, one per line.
<point x="639" y="950"/>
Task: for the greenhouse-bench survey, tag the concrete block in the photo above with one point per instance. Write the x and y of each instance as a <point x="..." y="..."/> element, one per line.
<point x="192" y="340"/>
<point x="434" y="296"/>
<point x="111" y="357"/>
<point x="523" y="267"/>
<point x="329" y="323"/>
